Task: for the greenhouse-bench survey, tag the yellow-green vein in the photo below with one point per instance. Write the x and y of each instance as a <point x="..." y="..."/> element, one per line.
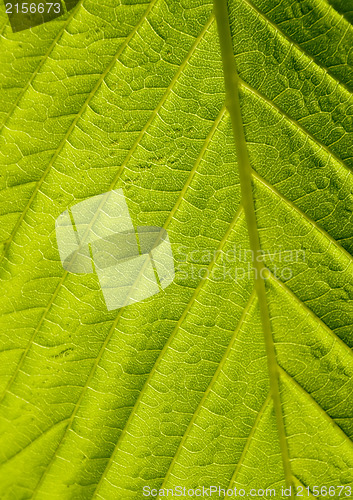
<point x="245" y="173"/>
<point x="119" y="315"/>
<point x="167" y="344"/>
<point x="207" y="391"/>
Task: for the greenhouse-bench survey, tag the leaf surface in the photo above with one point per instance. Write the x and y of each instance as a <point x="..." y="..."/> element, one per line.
<point x="175" y="390"/>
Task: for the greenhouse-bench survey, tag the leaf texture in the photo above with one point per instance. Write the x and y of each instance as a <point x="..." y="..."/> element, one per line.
<point x="175" y="390"/>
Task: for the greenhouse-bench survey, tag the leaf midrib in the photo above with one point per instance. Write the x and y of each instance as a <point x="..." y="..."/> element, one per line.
<point x="93" y="92"/>
<point x="327" y="149"/>
<point x="231" y="80"/>
<point x="289" y="377"/>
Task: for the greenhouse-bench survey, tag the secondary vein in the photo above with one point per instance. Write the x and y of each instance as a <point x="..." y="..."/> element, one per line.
<point x="245" y="173"/>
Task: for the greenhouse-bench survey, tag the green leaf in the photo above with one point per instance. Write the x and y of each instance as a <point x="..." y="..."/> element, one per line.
<point x="239" y="374"/>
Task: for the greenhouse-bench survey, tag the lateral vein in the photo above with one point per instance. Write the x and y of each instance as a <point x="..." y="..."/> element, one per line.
<point x="201" y="404"/>
<point x="192" y="300"/>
